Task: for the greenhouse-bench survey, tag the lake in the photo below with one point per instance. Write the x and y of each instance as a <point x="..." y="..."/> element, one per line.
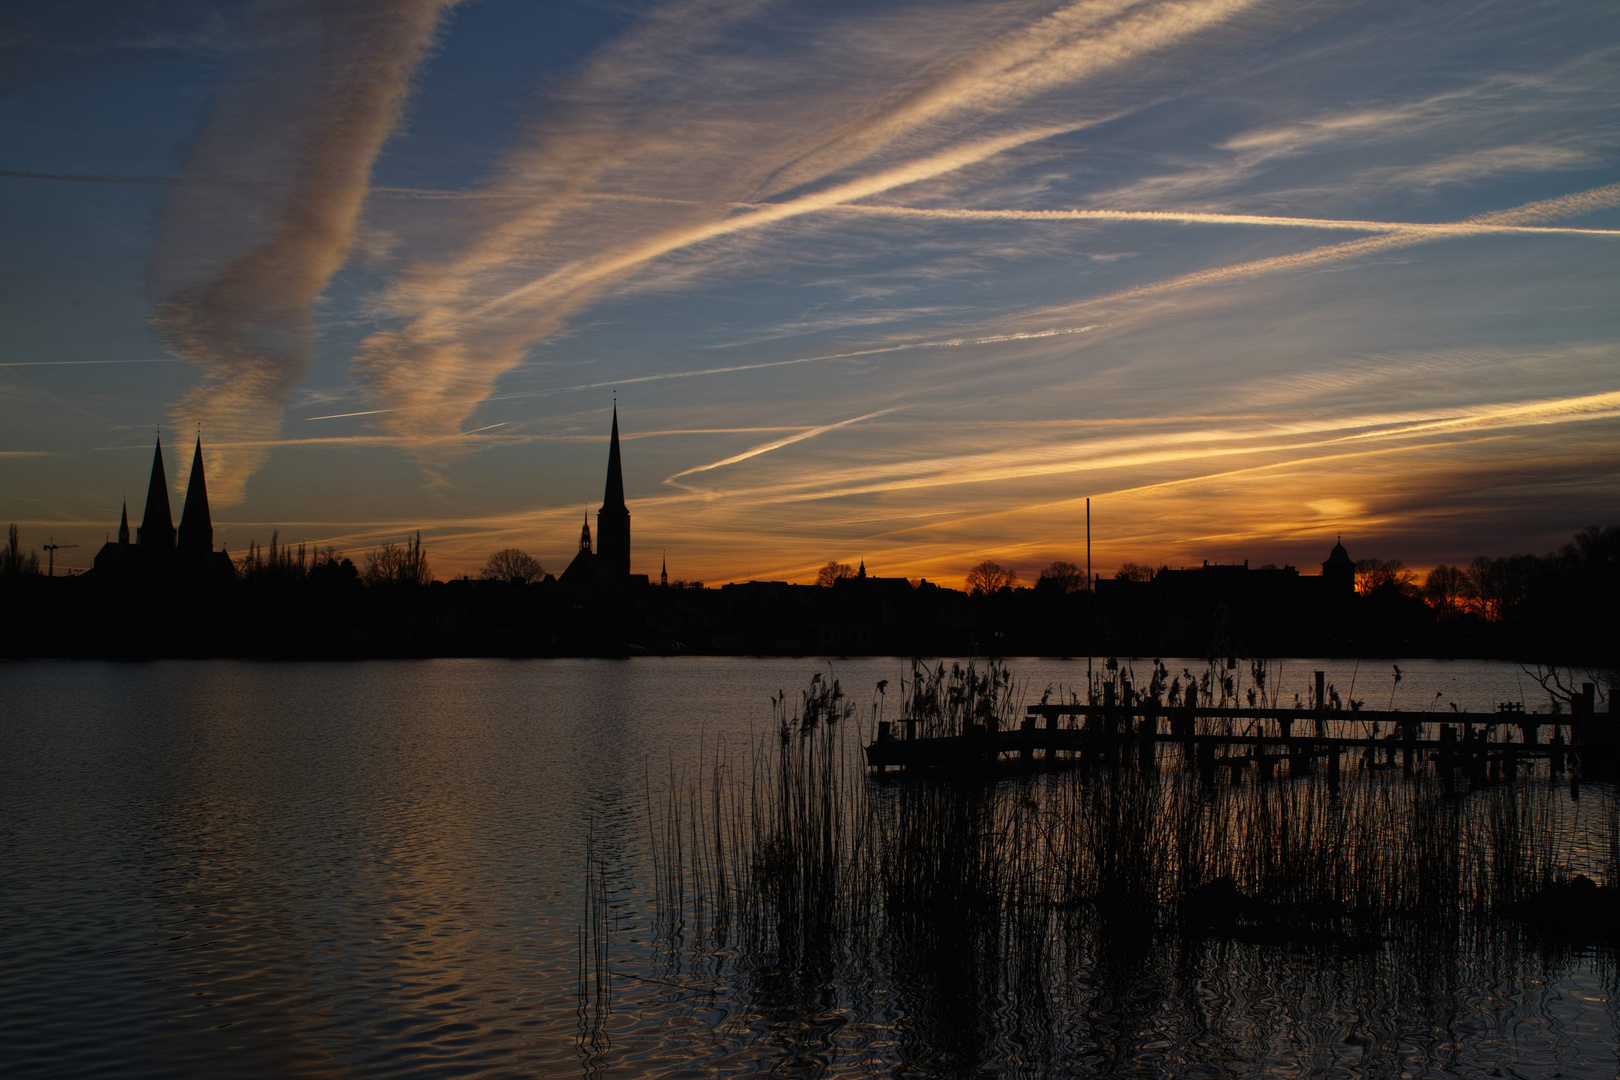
<point x="445" y="868"/>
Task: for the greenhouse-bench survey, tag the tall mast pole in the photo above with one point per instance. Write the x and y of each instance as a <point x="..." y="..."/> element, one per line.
<point x="1092" y="613"/>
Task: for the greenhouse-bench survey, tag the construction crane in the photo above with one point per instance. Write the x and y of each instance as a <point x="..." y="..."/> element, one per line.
<point x="52" y="548"/>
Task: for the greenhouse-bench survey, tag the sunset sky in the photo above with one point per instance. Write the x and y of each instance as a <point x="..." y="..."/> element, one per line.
<point x="897" y="282"/>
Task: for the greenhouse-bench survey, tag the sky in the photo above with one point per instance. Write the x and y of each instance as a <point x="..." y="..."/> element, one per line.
<point x="896" y="283"/>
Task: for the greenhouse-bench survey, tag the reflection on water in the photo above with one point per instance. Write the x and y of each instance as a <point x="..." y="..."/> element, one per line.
<point x="327" y="869"/>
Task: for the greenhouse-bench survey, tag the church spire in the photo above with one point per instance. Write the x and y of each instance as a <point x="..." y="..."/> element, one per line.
<point x="123" y="525"/>
<point x="157" y="523"/>
<point x="585" y="534"/>
<point x="613" y="520"/>
<point x="613" y="494"/>
<point x="663" y="575"/>
<point x="196" y="526"/>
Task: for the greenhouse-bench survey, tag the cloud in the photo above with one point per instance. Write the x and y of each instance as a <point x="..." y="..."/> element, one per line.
<point x="553" y="247"/>
<point x="1531" y="124"/>
<point x="239" y="264"/>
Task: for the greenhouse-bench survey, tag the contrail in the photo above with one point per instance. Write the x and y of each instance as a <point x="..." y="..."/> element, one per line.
<point x="1435" y="230"/>
<point x="1571" y="205"/>
<point x="471" y="318"/>
<point x="74" y="363"/>
<point x="777" y="444"/>
<point x="952" y="343"/>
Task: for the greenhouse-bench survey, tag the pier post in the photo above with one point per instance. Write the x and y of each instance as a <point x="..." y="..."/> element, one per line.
<point x="1147" y="737"/>
<point x="1122" y="724"/>
<point x="1190" y="728"/>
<point x="1321" y="705"/>
<point x="1105" y="732"/>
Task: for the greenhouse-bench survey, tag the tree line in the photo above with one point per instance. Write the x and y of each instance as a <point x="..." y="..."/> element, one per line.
<point x="1489" y="589"/>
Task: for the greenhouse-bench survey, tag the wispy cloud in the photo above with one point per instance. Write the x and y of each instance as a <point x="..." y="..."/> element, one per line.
<point x="463" y="321"/>
<point x="239" y="266"/>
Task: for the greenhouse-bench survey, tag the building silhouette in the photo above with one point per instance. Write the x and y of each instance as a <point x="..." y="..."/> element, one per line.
<point x="158" y="552"/>
<point x="157" y="524"/>
<point x="613" y="520"/>
<point x="609" y="565"/>
<point x="1339" y="571"/>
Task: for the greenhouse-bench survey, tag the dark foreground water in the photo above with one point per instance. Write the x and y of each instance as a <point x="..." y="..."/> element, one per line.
<point x="221" y="868"/>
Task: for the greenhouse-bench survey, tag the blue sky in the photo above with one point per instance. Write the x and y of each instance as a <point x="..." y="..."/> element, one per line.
<point x="905" y="283"/>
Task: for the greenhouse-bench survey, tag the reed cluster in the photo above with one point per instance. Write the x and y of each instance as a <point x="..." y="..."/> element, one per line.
<point x="798" y="859"/>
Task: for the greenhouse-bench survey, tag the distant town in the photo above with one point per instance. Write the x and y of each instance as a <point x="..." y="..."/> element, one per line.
<point x="166" y="591"/>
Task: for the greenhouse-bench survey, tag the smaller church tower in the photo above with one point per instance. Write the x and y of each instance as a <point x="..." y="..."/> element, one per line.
<point x="123" y="525"/>
<point x="663" y="574"/>
<point x="585" y="535"/>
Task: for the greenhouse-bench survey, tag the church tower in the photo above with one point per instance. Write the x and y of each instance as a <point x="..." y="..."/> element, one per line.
<point x="196" y="526"/>
<point x="157" y="523"/>
<point x="613" y="520"/>
<point x="1339" y="572"/>
<point x="123" y="525"/>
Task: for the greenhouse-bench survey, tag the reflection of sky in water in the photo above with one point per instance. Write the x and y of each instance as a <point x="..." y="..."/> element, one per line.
<point x="317" y="868"/>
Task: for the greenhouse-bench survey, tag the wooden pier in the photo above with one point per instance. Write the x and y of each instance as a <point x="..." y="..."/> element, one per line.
<point x="1144" y="734"/>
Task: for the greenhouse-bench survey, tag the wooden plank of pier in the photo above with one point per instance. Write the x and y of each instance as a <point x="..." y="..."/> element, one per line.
<point x="1270" y="735"/>
<point x="1357" y="716"/>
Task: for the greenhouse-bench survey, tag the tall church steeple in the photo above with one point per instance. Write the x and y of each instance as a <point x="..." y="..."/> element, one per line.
<point x="157" y="523"/>
<point x="123" y="525"/>
<point x="613" y="520"/>
<point x="663" y="574"/>
<point x="196" y="526"/>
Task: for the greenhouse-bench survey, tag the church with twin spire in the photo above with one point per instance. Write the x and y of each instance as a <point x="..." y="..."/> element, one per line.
<point x="159" y="550"/>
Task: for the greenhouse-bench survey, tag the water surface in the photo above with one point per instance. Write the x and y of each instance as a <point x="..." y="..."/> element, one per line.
<point x="378" y="868"/>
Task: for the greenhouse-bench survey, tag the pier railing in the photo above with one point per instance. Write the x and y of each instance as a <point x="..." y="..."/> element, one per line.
<point x="1148" y="734"/>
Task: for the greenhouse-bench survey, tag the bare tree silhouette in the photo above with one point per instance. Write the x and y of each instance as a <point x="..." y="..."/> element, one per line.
<point x="834" y="571"/>
<point x="395" y="564"/>
<point x="12" y="559"/>
<point x="1372" y="574"/>
<point x="1065" y="577"/>
<point x="989" y="577"/>
<point x="514" y="565"/>
<point x="1446" y="590"/>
